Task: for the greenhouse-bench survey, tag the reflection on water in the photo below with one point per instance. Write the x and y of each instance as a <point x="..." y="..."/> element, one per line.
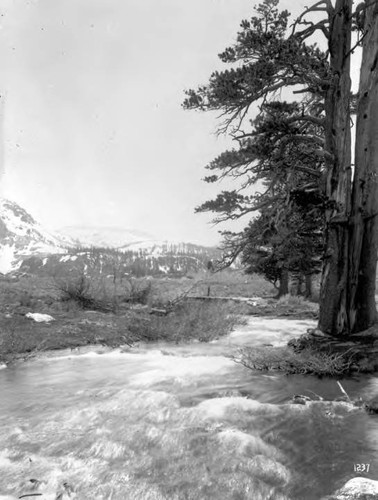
<point x="185" y="422"/>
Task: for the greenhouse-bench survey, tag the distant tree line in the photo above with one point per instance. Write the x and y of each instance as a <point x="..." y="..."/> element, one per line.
<point x="118" y="264"/>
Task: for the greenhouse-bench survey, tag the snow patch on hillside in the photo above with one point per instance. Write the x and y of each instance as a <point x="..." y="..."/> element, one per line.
<point x="8" y="261"/>
<point x="156" y="248"/>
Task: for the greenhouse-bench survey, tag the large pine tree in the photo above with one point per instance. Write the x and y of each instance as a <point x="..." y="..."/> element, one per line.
<point x="267" y="57"/>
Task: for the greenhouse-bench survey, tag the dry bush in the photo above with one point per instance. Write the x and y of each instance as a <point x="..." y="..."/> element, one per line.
<point x="87" y="293"/>
<point x="97" y="293"/>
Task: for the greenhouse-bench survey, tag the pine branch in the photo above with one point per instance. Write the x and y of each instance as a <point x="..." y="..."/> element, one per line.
<point x="321" y="6"/>
<point x="307" y="118"/>
<point x="313" y="28"/>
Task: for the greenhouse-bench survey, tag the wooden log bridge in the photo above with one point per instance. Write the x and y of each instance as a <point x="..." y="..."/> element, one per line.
<point x="252" y="301"/>
<point x="249" y="300"/>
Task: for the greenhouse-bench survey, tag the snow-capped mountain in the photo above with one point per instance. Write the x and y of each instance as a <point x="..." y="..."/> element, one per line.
<point x="104" y="237"/>
<point x="22" y="236"/>
<point x="126" y="240"/>
<point x="25" y="243"/>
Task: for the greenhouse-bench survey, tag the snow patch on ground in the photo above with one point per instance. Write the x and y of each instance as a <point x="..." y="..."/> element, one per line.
<point x="65" y="258"/>
<point x="39" y="317"/>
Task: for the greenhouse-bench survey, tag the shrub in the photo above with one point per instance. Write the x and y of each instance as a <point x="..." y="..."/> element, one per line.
<point x="26" y="299"/>
<point x="138" y="291"/>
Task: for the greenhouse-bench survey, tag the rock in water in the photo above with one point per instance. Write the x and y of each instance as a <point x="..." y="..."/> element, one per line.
<point x="298" y="399"/>
<point x="372" y="405"/>
<point x="358" y="488"/>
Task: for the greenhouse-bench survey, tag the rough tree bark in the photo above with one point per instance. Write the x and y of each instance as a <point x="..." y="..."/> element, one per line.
<point x="364" y="220"/>
<point x="333" y="314"/>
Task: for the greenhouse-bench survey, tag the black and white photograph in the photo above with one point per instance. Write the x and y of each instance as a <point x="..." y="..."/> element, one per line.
<point x="188" y="249"/>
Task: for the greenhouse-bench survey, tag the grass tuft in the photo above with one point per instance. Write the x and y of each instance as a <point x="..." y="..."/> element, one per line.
<point x="292" y="301"/>
<point x="283" y="359"/>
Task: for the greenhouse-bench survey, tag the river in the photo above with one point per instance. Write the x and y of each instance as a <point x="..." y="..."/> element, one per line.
<point x="166" y="422"/>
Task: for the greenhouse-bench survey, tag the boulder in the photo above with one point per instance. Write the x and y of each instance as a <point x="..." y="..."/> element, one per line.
<point x="358" y="488"/>
<point x="298" y="399"/>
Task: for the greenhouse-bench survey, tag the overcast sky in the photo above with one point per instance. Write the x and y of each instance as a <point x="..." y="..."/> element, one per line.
<point x="94" y="132"/>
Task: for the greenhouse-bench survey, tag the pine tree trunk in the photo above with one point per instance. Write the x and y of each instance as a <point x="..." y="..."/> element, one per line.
<point x="333" y="314"/>
<point x="308" y="283"/>
<point x="364" y="221"/>
<point x="301" y="280"/>
<point x="284" y="284"/>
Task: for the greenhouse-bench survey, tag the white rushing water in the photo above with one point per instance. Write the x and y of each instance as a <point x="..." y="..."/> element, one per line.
<point x="178" y="422"/>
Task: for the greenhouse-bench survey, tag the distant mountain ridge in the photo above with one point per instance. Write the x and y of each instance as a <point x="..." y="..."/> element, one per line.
<point x="104" y="236"/>
<point x="25" y="244"/>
